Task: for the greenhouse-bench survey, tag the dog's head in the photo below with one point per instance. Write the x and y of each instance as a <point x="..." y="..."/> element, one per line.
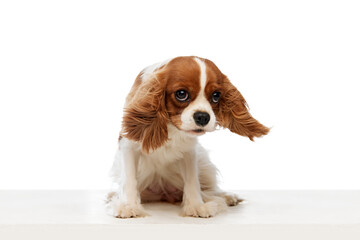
<point x="192" y="94"/>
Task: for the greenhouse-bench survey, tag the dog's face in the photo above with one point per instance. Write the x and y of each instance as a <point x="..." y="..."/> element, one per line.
<point x="192" y="94"/>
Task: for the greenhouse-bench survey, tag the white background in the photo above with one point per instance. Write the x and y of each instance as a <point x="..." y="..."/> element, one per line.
<point x="66" y="67"/>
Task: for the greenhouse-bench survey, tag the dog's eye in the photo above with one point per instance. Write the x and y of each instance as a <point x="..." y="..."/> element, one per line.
<point x="215" y="97"/>
<point x="182" y="95"/>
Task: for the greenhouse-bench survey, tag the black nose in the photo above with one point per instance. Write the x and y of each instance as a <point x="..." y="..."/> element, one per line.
<point x="201" y="118"/>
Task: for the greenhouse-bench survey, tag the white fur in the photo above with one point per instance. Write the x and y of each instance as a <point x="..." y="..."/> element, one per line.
<point x="181" y="162"/>
<point x="202" y="73"/>
<point x="200" y="104"/>
<point x="148" y="72"/>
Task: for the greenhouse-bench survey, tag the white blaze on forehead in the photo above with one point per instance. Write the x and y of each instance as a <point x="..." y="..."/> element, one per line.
<point x="200" y="103"/>
<point x="202" y="74"/>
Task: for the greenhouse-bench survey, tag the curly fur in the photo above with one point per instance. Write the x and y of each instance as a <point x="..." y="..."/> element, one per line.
<point x="234" y="114"/>
<point x="159" y="157"/>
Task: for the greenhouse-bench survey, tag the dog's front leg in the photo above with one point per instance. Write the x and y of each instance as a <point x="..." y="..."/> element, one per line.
<point x="193" y="204"/>
<point x="126" y="202"/>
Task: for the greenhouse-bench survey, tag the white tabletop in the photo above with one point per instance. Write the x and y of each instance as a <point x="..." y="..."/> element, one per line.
<point x="282" y="213"/>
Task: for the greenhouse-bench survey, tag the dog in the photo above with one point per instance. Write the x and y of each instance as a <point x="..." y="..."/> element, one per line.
<point x="159" y="158"/>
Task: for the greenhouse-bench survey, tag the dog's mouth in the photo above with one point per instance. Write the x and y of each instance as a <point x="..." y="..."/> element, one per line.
<point x="197" y="131"/>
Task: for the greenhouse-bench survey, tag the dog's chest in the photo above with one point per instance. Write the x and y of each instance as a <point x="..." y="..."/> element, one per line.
<point x="172" y="151"/>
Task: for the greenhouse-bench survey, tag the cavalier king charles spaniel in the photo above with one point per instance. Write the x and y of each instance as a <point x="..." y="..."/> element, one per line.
<point x="158" y="157"/>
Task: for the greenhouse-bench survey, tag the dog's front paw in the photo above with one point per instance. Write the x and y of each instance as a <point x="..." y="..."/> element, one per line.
<point x="204" y="210"/>
<point x="129" y="211"/>
<point x="125" y="210"/>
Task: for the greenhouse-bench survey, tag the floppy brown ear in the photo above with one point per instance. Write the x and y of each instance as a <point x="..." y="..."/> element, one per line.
<point x="233" y="113"/>
<point x="145" y="117"/>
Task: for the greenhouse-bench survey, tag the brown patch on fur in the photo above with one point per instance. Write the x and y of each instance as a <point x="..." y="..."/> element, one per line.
<point x="182" y="73"/>
<point x="145" y="117"/>
<point x="232" y="110"/>
<point x="176" y="120"/>
<point x="151" y="104"/>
